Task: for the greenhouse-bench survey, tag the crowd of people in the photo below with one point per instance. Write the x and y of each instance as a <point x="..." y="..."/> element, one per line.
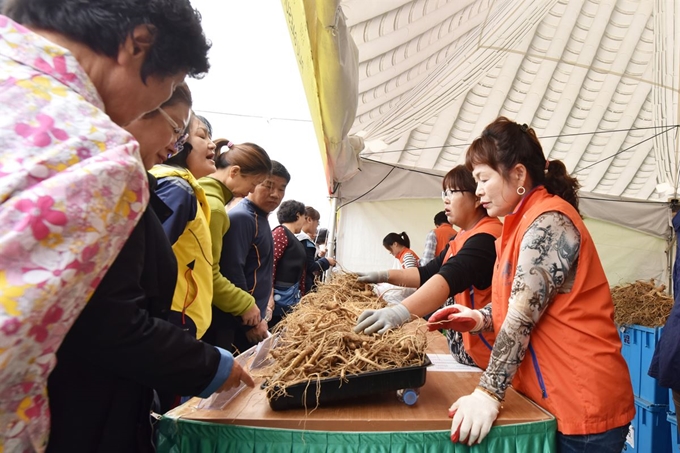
<point x="137" y="258"/>
<point x="125" y="283"/>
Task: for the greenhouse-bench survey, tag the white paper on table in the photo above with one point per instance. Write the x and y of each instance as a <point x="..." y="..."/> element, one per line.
<point x="446" y="362"/>
<point x="262" y="349"/>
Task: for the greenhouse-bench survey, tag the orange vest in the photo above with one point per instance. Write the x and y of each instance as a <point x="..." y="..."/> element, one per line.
<point x="574" y="368"/>
<point x="444" y="233"/>
<point x="405" y="250"/>
<point x="478" y="346"/>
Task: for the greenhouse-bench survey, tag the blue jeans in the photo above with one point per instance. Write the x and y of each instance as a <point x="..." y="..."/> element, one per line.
<point x="607" y="442"/>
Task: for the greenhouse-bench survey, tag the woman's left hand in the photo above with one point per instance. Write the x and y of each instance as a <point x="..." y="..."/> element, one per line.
<point x="456" y="317"/>
<point x="252" y="316"/>
<point x="473" y="416"/>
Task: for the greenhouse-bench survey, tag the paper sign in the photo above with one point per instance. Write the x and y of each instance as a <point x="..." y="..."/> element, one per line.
<point x="446" y="362"/>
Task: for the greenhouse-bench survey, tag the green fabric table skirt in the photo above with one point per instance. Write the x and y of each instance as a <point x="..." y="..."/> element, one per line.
<point x="186" y="436"/>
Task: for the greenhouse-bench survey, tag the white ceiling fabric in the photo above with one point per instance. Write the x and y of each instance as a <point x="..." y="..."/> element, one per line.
<point x="597" y="80"/>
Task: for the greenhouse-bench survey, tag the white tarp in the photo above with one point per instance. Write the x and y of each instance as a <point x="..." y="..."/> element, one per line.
<point x="598" y="81"/>
<point x="627" y="255"/>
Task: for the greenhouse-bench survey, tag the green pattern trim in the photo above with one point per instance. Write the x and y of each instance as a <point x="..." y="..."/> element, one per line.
<point x="175" y="436"/>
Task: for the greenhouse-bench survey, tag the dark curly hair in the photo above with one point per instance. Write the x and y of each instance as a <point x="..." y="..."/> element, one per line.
<point x="104" y="25"/>
<point x="290" y="211"/>
<point x="505" y="143"/>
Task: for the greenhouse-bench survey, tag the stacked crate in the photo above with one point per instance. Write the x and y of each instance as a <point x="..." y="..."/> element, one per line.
<point x="650" y="430"/>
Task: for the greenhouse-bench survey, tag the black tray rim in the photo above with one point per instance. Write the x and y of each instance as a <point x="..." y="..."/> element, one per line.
<point x="426" y="363"/>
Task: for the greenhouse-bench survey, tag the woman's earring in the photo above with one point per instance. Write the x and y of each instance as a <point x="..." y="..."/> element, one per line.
<point x="521" y="191"/>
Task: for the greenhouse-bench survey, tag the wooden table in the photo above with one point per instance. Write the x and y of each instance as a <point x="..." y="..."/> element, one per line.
<point x="380" y="414"/>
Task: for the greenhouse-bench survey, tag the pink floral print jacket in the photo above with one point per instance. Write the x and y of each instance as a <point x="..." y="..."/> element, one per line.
<point x="72" y="187"/>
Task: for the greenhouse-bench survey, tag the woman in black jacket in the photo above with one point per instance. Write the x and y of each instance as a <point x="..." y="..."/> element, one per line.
<point x="316" y="265"/>
<point x="121" y="347"/>
<point x="290" y="259"/>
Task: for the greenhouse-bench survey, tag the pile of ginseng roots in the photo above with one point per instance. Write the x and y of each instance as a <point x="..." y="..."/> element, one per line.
<point x="642" y="303"/>
<point x="317" y="340"/>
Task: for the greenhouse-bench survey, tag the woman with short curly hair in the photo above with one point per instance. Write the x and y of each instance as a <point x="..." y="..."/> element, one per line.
<point x="73" y="184"/>
<point x="290" y="259"/>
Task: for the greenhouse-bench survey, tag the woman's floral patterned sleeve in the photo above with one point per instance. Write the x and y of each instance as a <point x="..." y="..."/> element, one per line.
<point x="546" y="265"/>
<point x="72" y="188"/>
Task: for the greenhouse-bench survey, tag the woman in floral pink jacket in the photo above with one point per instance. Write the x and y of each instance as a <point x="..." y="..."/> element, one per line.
<point x="72" y="183"/>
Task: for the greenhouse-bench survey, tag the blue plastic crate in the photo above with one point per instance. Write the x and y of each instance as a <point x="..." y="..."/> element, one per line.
<point x="638" y="344"/>
<point x="673" y="421"/>
<point x="650" y="430"/>
<point x="671" y="404"/>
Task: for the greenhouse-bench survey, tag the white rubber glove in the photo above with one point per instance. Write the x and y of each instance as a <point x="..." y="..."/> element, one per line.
<point x="388" y="318"/>
<point x="374" y="277"/>
<point x="456" y="317"/>
<point x="473" y="416"/>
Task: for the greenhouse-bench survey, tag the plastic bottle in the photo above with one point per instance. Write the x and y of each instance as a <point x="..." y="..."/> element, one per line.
<point x="408" y="396"/>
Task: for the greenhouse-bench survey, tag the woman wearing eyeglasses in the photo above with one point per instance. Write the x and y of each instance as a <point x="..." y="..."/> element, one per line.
<point x="462" y="271"/>
<point x="120" y="347"/>
<point x="188" y="227"/>
<point x="160" y="132"/>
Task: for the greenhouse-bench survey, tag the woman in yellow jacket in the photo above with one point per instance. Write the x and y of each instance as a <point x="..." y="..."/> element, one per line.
<point x="188" y="228"/>
<point x="551" y="307"/>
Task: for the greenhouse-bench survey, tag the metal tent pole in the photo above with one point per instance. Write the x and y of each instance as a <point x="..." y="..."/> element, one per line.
<point x="332" y="227"/>
<point x="332" y="233"/>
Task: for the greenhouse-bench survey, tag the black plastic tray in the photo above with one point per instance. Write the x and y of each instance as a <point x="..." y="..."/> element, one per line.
<point x="354" y="386"/>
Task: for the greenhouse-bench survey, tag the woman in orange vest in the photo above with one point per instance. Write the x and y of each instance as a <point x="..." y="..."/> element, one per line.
<point x="551" y="306"/>
<point x="398" y="246"/>
<point x="463" y="271"/>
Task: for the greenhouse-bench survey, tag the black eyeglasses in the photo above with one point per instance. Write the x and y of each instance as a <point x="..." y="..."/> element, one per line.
<point x="448" y="192"/>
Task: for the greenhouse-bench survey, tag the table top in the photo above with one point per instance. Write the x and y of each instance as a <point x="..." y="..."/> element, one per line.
<point x="382" y="412"/>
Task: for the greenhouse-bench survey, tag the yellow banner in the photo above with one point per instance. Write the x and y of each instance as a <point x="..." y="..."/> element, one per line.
<point x="328" y="62"/>
<point x="296" y="18"/>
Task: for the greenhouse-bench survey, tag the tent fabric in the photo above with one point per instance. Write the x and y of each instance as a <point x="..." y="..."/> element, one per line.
<point x="327" y="61"/>
<point x="627" y="255"/>
<point x="397" y="183"/>
<point x="598" y="82"/>
<point x="176" y="436"/>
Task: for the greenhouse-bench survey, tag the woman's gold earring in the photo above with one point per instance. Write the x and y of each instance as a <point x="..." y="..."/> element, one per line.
<point x="521" y="191"/>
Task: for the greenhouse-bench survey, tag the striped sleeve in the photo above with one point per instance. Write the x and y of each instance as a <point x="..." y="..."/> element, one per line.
<point x="408" y="261"/>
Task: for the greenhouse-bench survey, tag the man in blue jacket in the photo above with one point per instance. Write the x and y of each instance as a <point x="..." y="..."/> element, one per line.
<point x="665" y="365"/>
<point x="247" y="261"/>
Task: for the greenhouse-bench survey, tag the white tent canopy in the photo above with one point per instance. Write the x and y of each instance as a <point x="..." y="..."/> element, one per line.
<point x="597" y="80"/>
